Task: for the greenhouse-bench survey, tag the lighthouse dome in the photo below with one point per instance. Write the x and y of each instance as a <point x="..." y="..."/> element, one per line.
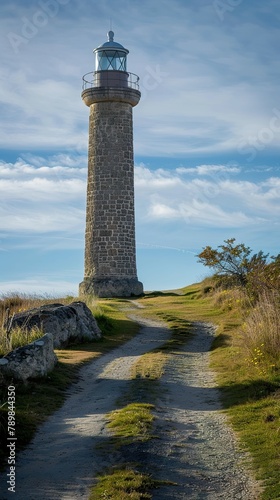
<point x="111" y="43"/>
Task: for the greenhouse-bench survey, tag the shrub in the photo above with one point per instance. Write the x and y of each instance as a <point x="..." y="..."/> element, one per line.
<point x="266" y="277"/>
<point x="232" y="261"/>
<point x="234" y="266"/>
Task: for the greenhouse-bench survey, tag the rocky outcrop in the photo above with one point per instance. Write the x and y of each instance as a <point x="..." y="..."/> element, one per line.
<point x="67" y="324"/>
<point x="33" y="360"/>
<point x="60" y="324"/>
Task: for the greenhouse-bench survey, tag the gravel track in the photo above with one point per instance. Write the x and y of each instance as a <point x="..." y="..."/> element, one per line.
<point x="61" y="461"/>
<point x="196" y="448"/>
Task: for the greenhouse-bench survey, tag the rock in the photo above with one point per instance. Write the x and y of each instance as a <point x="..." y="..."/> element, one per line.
<point x="33" y="360"/>
<point x="73" y="323"/>
<point x="60" y="324"/>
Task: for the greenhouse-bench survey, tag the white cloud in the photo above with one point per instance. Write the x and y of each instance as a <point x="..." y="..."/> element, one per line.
<point x="161" y="211"/>
<point x="199" y="213"/>
<point x="39" y="286"/>
<point x="159" y="178"/>
<point x="36" y="218"/>
<point x="259" y="198"/>
<point x="42" y="199"/>
<point x="209" y="84"/>
<point x="211" y="198"/>
<point x="42" y="189"/>
<point x="208" y="169"/>
<point x="45" y="199"/>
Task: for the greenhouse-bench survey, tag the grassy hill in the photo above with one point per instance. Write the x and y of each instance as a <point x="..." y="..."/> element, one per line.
<point x="245" y="356"/>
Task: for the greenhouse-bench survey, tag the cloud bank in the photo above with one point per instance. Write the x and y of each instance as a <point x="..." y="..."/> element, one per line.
<point x="48" y="196"/>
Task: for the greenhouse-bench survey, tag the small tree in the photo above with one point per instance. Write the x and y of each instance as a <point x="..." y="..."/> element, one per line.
<point x="232" y="261"/>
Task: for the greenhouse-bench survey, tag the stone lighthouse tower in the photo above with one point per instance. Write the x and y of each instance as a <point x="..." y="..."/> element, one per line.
<point x="110" y="256"/>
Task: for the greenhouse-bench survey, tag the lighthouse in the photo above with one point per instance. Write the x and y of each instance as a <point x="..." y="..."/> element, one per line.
<point x="110" y="92"/>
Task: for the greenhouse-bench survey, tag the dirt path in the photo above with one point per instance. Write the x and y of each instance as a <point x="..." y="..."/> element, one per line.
<point x="61" y="461"/>
<point x="196" y="450"/>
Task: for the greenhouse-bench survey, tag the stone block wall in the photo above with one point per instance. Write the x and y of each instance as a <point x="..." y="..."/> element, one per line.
<point x="110" y="224"/>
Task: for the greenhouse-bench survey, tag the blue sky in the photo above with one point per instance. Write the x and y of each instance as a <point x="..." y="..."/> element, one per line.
<point x="206" y="133"/>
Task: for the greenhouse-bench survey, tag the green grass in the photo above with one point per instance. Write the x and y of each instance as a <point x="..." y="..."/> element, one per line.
<point x="258" y="426"/>
<point x="132" y="423"/>
<point x="150" y="366"/>
<point x="123" y="484"/>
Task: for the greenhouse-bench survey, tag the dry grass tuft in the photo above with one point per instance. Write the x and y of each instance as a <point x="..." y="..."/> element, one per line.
<point x="18" y="337"/>
<point x="16" y="303"/>
<point x="261" y="332"/>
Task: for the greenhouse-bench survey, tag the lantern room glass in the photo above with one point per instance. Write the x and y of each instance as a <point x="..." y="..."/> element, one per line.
<point x="111" y="59"/>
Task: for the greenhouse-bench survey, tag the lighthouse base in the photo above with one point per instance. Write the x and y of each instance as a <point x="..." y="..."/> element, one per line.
<point x="111" y="287"/>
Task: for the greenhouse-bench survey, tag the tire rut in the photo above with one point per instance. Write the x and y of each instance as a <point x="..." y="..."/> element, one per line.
<point x="196" y="449"/>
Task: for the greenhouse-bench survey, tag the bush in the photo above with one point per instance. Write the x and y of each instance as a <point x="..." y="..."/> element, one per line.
<point x="266" y="277"/>
<point x="233" y="263"/>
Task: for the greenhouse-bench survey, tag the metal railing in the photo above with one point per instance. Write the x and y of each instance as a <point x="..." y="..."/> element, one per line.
<point x="115" y="79"/>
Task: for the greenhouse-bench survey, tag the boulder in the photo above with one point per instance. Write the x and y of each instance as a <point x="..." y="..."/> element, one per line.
<point x="73" y="323"/>
<point x="33" y="360"/>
